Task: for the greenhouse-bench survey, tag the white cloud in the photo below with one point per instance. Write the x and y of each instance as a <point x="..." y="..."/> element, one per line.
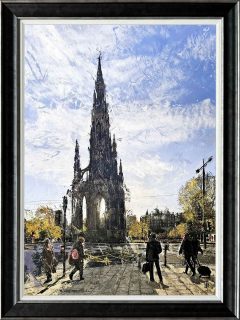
<point x="155" y="126"/>
<point x="50" y="142"/>
<point x="202" y="47"/>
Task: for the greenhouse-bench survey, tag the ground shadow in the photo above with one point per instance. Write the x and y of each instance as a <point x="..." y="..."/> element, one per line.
<point x="195" y="279"/>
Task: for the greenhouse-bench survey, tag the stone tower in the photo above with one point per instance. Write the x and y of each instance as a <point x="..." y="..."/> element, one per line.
<point x="101" y="180"/>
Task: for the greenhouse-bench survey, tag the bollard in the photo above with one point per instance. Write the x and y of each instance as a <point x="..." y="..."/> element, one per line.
<point x="139" y="260"/>
<point x="166" y="247"/>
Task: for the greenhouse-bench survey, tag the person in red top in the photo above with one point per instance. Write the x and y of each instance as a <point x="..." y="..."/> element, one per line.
<point x="78" y="263"/>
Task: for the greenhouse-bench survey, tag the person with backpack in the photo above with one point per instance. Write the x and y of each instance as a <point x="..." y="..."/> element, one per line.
<point x="77" y="257"/>
<point x="152" y="256"/>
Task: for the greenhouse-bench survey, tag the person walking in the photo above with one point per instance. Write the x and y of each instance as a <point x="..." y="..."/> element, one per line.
<point x="186" y="248"/>
<point x="78" y="251"/>
<point x="48" y="259"/>
<point x="196" y="248"/>
<point x="152" y="256"/>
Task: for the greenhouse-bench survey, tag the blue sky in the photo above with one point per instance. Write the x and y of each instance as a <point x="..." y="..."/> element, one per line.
<point x="161" y="90"/>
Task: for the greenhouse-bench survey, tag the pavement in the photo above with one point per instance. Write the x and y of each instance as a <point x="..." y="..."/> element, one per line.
<point x="122" y="279"/>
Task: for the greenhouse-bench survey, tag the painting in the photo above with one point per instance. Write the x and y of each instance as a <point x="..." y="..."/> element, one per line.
<point x="121" y="159"/>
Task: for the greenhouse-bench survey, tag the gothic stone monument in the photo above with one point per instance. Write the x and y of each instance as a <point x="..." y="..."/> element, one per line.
<point x="101" y="179"/>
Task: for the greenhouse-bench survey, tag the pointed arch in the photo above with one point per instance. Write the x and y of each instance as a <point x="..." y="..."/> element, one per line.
<point x="84" y="211"/>
<point x="102" y="207"/>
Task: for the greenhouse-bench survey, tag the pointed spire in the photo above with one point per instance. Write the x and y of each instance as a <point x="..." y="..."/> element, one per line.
<point x="100" y="86"/>
<point x="94" y="97"/>
<point x="114" y="147"/>
<point x="120" y="172"/>
<point x="99" y="71"/>
<point x="76" y="166"/>
<point x="120" y="168"/>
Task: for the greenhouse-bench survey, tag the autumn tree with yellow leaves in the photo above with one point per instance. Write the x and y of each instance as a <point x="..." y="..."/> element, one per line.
<point x="138" y="230"/>
<point x="178" y="232"/>
<point x="194" y="205"/>
<point x="42" y="225"/>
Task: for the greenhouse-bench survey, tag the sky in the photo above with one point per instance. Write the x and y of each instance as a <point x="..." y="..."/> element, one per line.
<point x="161" y="89"/>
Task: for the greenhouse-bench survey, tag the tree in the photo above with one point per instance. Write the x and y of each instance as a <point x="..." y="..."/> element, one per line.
<point x="42" y="225"/>
<point x="193" y="203"/>
<point x="138" y="230"/>
<point x="45" y="213"/>
<point x="178" y="232"/>
<point x="135" y="229"/>
<point x="145" y="228"/>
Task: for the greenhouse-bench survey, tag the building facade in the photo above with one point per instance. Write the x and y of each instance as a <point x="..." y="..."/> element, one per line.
<point x="102" y="180"/>
<point x="161" y="221"/>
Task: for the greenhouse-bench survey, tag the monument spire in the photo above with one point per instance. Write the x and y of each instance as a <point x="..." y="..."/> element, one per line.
<point x="114" y="147"/>
<point x="120" y="171"/>
<point x="99" y="70"/>
<point x="76" y="166"/>
<point x="99" y="85"/>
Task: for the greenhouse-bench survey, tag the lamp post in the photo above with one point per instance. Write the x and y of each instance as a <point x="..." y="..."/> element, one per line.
<point x="203" y="196"/>
<point x="65" y="201"/>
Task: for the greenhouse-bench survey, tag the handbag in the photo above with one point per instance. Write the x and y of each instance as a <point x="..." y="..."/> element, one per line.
<point x="146" y="267"/>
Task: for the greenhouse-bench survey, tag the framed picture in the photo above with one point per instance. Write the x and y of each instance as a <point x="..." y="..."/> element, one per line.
<point x="120" y="159"/>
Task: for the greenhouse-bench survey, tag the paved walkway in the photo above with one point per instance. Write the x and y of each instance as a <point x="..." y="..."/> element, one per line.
<point x="125" y="279"/>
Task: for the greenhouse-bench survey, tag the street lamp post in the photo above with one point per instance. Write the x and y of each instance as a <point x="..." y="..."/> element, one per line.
<point x="65" y="201"/>
<point x="203" y="196"/>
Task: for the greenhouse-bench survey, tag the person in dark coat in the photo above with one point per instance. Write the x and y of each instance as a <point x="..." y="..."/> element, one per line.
<point x="152" y="256"/>
<point x="196" y="248"/>
<point x="48" y="259"/>
<point x="186" y="248"/>
<point x="78" y="263"/>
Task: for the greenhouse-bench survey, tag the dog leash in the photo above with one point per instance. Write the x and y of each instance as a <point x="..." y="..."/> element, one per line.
<point x="199" y="264"/>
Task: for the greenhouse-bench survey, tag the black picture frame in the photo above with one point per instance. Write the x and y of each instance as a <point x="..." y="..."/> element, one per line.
<point x="12" y="12"/>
